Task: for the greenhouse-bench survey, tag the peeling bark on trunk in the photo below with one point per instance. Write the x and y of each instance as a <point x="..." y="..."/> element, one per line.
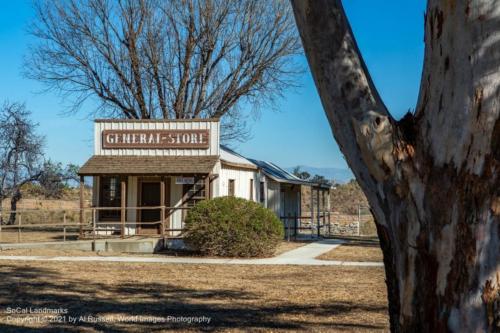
<point x="432" y="178"/>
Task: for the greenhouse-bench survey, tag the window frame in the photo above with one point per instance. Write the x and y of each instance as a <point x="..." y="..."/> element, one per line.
<point x="231" y="187"/>
<point x="110" y="215"/>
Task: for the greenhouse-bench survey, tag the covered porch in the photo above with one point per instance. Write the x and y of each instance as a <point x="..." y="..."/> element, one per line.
<point x="143" y="195"/>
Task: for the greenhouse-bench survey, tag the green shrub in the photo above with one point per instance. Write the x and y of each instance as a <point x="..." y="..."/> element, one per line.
<point x="232" y="227"/>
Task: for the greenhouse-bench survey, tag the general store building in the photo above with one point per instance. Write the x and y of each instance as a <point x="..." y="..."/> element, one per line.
<point x="147" y="174"/>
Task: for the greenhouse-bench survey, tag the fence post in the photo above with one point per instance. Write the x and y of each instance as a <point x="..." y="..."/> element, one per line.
<point x="93" y="224"/>
<point x="82" y="204"/>
<point x="295" y="223"/>
<point x="312" y="212"/>
<point x="19" y="229"/>
<point x="318" y="218"/>
<point x="64" y="227"/>
<point x="324" y="209"/>
<point x="329" y="223"/>
<point x="287" y="224"/>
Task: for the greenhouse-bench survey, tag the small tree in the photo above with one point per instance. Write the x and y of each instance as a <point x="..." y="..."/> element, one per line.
<point x="55" y="178"/>
<point x="20" y="153"/>
<point x="297" y="171"/>
<point x="321" y="180"/>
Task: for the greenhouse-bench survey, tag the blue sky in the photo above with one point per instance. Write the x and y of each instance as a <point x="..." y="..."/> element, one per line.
<point x="390" y="36"/>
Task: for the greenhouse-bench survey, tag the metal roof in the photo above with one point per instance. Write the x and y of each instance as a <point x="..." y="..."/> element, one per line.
<point x="230" y="157"/>
<point x="269" y="169"/>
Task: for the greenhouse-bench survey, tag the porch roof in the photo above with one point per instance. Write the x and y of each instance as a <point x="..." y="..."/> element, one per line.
<point x="147" y="165"/>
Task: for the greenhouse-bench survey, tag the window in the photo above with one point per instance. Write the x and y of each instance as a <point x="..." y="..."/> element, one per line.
<point x="110" y="196"/>
<point x="194" y="192"/>
<point x="251" y="190"/>
<point x="262" y="193"/>
<point x="230" y="188"/>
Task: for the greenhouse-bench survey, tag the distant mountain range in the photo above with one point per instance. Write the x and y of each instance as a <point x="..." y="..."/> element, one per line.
<point x="338" y="174"/>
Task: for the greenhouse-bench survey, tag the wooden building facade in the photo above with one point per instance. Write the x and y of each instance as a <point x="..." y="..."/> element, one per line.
<point x="146" y="175"/>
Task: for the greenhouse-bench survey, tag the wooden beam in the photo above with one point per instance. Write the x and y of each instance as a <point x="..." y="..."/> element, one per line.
<point x="318" y="212"/>
<point x="82" y="203"/>
<point x="162" y="204"/>
<point x="123" y="205"/>
<point x="312" y="208"/>
<point x="207" y="187"/>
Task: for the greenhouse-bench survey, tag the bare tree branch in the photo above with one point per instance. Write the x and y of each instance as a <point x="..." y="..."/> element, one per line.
<point x="177" y="59"/>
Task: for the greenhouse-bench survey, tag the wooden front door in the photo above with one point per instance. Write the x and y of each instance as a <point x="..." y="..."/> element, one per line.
<point x="150" y="197"/>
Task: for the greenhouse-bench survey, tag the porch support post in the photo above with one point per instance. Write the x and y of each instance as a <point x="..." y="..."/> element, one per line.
<point x="312" y="211"/>
<point x="328" y="209"/>
<point x="318" y="217"/>
<point x="162" y="203"/>
<point x="123" y="205"/>
<point x="207" y="187"/>
<point x="82" y="203"/>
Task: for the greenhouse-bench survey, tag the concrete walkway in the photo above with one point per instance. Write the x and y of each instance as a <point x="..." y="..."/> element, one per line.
<point x="304" y="255"/>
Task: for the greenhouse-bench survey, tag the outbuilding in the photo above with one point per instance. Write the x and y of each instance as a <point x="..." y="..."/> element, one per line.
<point x="146" y="175"/>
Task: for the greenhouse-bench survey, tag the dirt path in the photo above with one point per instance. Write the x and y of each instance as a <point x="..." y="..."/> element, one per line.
<point x="304" y="255"/>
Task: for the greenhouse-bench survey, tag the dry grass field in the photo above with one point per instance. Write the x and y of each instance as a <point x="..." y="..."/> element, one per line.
<point x="118" y="297"/>
<point x="358" y="249"/>
<point x="282" y="247"/>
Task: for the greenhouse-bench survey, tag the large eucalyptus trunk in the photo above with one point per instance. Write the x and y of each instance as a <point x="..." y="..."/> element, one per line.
<point x="432" y="178"/>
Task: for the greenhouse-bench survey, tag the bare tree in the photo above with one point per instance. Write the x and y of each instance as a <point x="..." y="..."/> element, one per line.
<point x="55" y="178"/>
<point x="432" y="178"/>
<point x="176" y="59"/>
<point x="20" y="154"/>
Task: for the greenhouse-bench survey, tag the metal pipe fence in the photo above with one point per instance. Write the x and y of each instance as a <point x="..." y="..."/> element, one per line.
<point x="329" y="223"/>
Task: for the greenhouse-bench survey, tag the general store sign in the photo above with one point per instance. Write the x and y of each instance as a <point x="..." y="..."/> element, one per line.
<point x="155" y="139"/>
<point x="184" y="180"/>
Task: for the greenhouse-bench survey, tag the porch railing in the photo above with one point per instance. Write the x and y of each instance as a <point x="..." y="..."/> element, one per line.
<point x="79" y="223"/>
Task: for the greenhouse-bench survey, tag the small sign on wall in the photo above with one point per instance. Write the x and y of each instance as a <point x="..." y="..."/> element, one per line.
<point x="184" y="180"/>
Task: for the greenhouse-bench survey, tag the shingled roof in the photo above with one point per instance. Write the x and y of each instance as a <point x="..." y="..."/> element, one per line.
<point x="147" y="165"/>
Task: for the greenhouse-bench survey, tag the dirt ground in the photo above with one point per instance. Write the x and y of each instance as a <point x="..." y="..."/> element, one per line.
<point x="118" y="297"/>
<point x="358" y="249"/>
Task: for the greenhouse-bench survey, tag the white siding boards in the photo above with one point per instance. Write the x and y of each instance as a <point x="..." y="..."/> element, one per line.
<point x="212" y="125"/>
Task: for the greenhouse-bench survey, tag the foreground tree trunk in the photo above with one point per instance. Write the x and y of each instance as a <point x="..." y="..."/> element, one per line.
<point x="432" y="178"/>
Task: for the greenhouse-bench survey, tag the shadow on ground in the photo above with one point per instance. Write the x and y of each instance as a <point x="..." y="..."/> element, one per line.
<point x="25" y="287"/>
<point x="363" y="241"/>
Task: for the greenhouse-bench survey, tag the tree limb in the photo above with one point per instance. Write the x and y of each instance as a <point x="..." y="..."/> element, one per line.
<point x="360" y="122"/>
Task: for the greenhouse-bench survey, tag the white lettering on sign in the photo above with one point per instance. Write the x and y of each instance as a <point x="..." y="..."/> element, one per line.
<point x="155" y="139"/>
